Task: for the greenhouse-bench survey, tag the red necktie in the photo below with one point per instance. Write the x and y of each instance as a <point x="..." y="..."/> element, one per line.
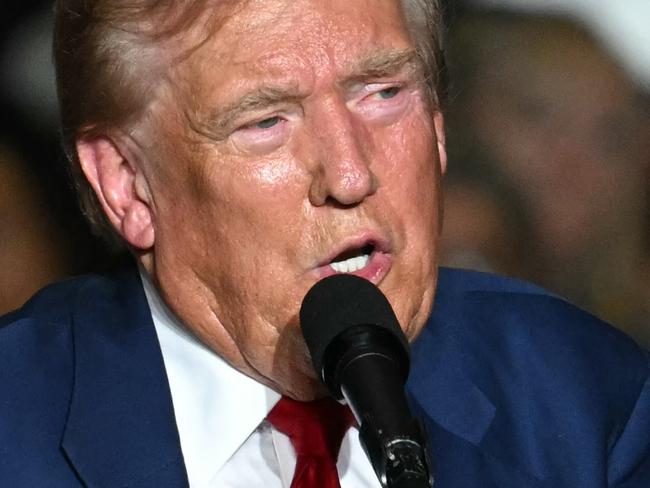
<point x="316" y="430"/>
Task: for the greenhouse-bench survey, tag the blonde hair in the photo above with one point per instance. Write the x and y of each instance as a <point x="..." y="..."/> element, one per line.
<point x="101" y="46"/>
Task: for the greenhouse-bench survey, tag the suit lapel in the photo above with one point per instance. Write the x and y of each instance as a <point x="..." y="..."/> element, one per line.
<point x="438" y="384"/>
<point x="121" y="429"/>
<point x="456" y="412"/>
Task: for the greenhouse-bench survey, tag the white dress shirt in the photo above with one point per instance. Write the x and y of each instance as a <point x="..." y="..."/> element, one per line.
<point x="220" y="415"/>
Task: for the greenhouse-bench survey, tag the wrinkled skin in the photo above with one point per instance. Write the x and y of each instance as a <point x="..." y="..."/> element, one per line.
<point x="242" y="214"/>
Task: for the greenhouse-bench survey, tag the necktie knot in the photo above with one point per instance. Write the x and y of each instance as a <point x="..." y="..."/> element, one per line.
<point x="316" y="430"/>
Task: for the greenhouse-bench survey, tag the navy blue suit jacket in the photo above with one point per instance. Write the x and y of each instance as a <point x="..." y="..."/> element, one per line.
<point x="516" y="388"/>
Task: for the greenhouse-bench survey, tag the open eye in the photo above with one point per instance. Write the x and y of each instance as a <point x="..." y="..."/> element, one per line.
<point x="390" y="92"/>
<point x="266" y="123"/>
<point x="262" y="135"/>
<point x="382" y="102"/>
<point x="263" y="127"/>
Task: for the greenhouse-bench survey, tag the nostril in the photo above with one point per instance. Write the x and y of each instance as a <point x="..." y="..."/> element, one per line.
<point x="335" y="203"/>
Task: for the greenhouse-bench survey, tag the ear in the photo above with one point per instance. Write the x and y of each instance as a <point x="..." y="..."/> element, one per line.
<point x="121" y="189"/>
<point x="439" y="127"/>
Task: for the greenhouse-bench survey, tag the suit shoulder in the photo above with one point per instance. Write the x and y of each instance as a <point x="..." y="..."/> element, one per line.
<point x="36" y="368"/>
<point x="457" y="281"/>
<point x="54" y="303"/>
<point x="519" y="334"/>
<point x="41" y="329"/>
<point x="557" y="386"/>
<point x="40" y="332"/>
<point x="498" y="310"/>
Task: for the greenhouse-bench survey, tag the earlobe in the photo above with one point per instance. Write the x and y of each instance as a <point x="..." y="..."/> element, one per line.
<point x="439" y="127"/>
<point x="118" y="185"/>
<point x="137" y="227"/>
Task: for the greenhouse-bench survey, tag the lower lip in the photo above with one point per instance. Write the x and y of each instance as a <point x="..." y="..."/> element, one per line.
<point x="375" y="270"/>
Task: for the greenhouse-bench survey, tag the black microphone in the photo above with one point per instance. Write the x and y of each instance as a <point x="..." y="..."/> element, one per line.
<point x="361" y="354"/>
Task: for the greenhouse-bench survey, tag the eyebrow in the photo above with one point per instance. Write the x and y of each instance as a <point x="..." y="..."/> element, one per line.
<point x="260" y="98"/>
<point x="383" y="64"/>
<point x="376" y="65"/>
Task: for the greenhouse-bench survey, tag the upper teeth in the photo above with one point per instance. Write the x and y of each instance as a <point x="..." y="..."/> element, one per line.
<point x="350" y="265"/>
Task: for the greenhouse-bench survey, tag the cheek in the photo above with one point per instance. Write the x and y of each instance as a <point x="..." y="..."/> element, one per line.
<point x="252" y="220"/>
<point x="411" y="172"/>
<point x="410" y="182"/>
<point x="242" y="194"/>
<point x="409" y="145"/>
<point x="272" y="176"/>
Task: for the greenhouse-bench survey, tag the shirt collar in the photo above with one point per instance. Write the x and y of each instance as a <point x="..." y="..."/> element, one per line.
<point x="216" y="406"/>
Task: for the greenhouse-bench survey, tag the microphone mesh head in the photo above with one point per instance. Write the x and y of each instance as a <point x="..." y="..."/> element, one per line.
<point x="339" y="302"/>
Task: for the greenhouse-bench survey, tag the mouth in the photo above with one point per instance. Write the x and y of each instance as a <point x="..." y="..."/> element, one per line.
<point x="352" y="260"/>
<point x="366" y="257"/>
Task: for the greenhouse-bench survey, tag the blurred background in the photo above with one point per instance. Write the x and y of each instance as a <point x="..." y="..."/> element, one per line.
<point x="548" y="123"/>
<point x="548" y="134"/>
<point x="43" y="236"/>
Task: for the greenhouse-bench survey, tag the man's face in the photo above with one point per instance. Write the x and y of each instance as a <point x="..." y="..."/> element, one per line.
<point x="297" y="136"/>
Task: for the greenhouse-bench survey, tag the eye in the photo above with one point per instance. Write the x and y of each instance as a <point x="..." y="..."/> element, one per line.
<point x="266" y="123"/>
<point x="263" y="135"/>
<point x="390" y="92"/>
<point x="383" y="102"/>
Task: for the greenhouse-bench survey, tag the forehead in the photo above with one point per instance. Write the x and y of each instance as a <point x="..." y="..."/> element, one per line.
<point x="295" y="41"/>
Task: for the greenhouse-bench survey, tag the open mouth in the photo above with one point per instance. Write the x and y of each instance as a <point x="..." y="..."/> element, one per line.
<point x="368" y="255"/>
<point x="352" y="260"/>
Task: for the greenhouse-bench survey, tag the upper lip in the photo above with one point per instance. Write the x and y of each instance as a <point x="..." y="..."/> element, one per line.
<point x="370" y="238"/>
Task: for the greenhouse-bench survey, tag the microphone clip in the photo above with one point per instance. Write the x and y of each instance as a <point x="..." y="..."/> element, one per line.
<point x="399" y="461"/>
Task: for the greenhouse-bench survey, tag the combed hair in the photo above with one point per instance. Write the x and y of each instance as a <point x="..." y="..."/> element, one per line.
<point x="101" y="47"/>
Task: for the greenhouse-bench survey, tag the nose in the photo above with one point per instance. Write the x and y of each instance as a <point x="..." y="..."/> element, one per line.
<point x="341" y="171"/>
